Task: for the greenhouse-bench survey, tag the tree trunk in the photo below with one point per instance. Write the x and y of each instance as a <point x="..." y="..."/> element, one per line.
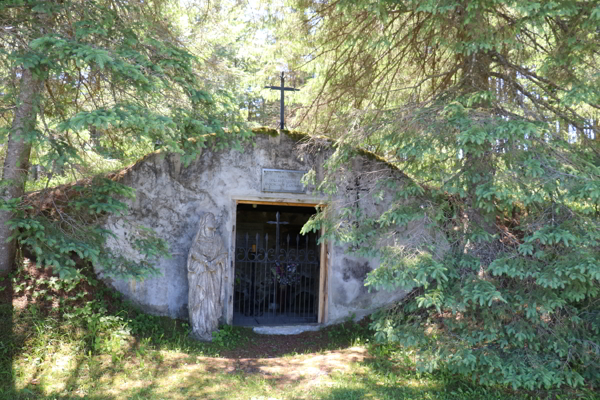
<point x="16" y="162"/>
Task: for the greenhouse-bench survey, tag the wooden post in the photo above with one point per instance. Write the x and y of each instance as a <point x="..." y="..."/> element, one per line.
<point x="323" y="284"/>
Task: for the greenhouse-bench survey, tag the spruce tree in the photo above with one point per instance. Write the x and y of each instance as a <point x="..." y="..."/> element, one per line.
<point x="491" y="109"/>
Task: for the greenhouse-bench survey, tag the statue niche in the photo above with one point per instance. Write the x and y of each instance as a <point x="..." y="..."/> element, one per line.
<point x="207" y="266"/>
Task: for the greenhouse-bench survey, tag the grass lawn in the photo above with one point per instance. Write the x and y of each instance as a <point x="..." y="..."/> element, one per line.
<point x="80" y="340"/>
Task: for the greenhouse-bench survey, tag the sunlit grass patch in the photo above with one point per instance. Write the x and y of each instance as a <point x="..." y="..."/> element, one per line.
<point x="97" y="347"/>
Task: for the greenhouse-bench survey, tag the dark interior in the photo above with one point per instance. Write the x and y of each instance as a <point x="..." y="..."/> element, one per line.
<point x="276" y="270"/>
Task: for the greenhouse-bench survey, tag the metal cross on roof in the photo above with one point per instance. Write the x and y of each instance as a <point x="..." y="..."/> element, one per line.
<point x="283" y="89"/>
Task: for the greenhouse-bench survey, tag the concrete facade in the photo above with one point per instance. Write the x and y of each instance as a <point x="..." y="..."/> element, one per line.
<point x="171" y="198"/>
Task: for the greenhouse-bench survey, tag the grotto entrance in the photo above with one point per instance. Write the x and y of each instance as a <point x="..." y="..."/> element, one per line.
<point x="277" y="269"/>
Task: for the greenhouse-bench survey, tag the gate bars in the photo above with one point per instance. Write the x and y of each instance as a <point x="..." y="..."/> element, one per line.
<point x="276" y="284"/>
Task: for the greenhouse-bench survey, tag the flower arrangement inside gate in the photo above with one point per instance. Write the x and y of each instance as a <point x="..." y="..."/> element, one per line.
<point x="287" y="275"/>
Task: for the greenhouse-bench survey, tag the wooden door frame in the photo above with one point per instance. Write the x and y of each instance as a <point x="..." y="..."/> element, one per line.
<point x="323" y="256"/>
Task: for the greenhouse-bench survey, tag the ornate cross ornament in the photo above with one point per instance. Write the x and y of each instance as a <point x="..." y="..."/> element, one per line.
<point x="282" y="88"/>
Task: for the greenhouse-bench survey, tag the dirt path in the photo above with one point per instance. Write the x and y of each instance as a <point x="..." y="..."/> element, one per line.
<point x="306" y="367"/>
<point x="303" y="372"/>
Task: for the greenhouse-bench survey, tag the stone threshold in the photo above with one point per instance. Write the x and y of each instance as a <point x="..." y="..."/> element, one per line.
<point x="286" y="329"/>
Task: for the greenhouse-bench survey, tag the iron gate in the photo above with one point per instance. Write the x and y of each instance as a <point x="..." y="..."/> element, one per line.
<point x="276" y="279"/>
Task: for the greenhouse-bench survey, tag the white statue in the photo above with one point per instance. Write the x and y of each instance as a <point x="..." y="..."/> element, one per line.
<point x="207" y="266"/>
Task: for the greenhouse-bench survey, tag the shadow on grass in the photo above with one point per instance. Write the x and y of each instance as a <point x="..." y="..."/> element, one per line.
<point x="35" y="329"/>
<point x="344" y="394"/>
<point x="372" y="384"/>
<point x="7" y="337"/>
<point x="371" y="390"/>
<point x="335" y="337"/>
<point x="26" y="394"/>
<point x="32" y="394"/>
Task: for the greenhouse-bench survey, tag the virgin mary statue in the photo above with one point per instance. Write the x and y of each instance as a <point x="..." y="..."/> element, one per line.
<point x="206" y="266"/>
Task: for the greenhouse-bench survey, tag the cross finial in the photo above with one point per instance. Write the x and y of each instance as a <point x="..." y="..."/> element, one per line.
<point x="277" y="223"/>
<point x="282" y="88"/>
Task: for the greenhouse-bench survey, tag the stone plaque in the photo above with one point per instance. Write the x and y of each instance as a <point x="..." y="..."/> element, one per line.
<point x="282" y="181"/>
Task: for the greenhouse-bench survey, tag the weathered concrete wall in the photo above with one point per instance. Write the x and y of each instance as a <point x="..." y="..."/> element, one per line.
<point x="171" y="198"/>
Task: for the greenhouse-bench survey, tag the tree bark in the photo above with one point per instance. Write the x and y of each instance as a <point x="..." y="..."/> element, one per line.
<point x="16" y="162"/>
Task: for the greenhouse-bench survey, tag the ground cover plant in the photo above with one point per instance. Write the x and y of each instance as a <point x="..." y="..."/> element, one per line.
<point x="79" y="339"/>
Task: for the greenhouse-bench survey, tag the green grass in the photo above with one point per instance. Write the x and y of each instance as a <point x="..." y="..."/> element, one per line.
<point x="82" y="341"/>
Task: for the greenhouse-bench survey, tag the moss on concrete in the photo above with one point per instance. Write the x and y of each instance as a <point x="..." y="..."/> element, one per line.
<point x="375" y="157"/>
<point x="295" y="135"/>
<point x="37" y="196"/>
<point x="263" y="130"/>
<point x="298" y="136"/>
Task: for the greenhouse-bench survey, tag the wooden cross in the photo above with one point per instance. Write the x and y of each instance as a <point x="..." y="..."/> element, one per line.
<point x="282" y="88"/>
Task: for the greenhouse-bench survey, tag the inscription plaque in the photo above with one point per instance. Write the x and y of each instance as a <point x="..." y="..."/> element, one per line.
<point x="282" y="181"/>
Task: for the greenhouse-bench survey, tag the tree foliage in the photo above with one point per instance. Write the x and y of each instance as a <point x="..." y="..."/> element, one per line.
<point x="117" y="82"/>
<point x="491" y="108"/>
